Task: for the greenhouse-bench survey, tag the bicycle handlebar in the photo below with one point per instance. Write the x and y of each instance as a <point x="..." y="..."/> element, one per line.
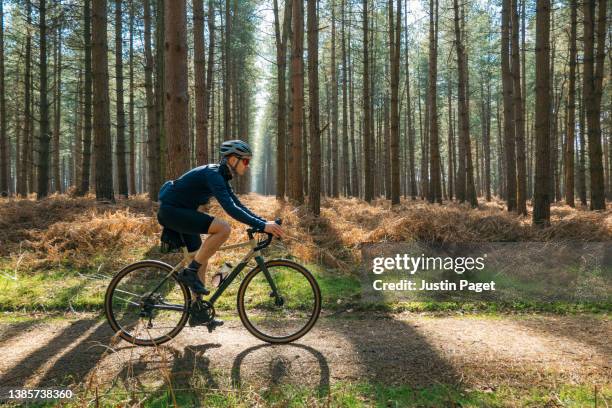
<point x="262" y="244"/>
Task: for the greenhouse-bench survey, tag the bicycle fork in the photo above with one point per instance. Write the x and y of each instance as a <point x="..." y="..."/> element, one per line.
<point x="278" y="300"/>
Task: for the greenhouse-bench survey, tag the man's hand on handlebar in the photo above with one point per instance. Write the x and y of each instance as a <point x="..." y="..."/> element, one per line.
<point x="274" y="229"/>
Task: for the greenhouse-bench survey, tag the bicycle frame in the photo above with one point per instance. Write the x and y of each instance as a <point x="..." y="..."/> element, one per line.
<point x="252" y="244"/>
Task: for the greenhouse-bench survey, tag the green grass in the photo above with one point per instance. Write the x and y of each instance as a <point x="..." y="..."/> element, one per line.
<point x="49" y="291"/>
<point x="354" y="395"/>
<point x="64" y="290"/>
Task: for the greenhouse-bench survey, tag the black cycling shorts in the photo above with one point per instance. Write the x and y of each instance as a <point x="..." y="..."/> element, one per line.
<point x="190" y="223"/>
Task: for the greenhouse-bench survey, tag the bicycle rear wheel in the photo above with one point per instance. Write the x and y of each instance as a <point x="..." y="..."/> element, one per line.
<point x="283" y="318"/>
<point x="140" y="311"/>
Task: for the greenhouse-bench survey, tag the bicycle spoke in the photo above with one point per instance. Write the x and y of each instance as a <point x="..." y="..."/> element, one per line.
<point x="291" y="313"/>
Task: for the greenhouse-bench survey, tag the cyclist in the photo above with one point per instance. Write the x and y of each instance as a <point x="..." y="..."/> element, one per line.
<point x="180" y="199"/>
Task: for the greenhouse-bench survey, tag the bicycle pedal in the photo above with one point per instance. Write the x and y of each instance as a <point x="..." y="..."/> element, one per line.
<point x="212" y="325"/>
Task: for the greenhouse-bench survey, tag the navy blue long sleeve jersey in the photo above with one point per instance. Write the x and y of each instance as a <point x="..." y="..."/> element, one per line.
<point x="195" y="188"/>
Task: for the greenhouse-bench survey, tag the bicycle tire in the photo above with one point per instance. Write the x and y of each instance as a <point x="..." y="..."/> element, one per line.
<point x="111" y="315"/>
<point x="316" y="292"/>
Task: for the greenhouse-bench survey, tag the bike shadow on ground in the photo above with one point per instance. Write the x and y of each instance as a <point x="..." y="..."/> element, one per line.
<point x="281" y="364"/>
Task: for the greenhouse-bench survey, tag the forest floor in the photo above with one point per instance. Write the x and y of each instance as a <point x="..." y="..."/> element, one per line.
<point x="52" y="332"/>
<point x="501" y="361"/>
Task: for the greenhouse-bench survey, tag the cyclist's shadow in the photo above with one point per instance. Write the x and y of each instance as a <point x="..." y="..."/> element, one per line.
<point x="280" y="367"/>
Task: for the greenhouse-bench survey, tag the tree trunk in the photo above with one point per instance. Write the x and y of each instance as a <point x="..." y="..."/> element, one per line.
<point x="487" y="142"/>
<point x="132" y="177"/>
<point x="314" y="196"/>
<point x="394" y="51"/>
<point x="56" y="179"/>
<point x="78" y="136"/>
<point x="541" y="204"/>
<point x="120" y="139"/>
<point x="101" y="118"/>
<point x="571" y="109"/>
<point x="281" y="115"/>
<point x="367" y="138"/>
<point x="199" y="74"/>
<point x="355" y="176"/>
<point x="227" y="84"/>
<point x="345" y="170"/>
<point x="451" y="142"/>
<point x="334" y="106"/>
<point x="519" y="115"/>
<point x="465" y="178"/>
<point x="509" y="122"/>
<point x="176" y="106"/>
<point x="4" y="157"/>
<point x="153" y="162"/>
<point x="87" y="92"/>
<point x="43" y="138"/>
<point x="159" y="94"/>
<point x="594" y="76"/>
<point x="295" y="176"/>
<point x="435" y="189"/>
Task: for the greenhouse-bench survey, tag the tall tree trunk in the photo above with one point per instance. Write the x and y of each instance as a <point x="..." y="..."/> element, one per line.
<point x="120" y="140"/>
<point x="78" y="144"/>
<point x="101" y="118"/>
<point x="159" y="93"/>
<point x="487" y="141"/>
<point x="227" y="84"/>
<point x="593" y="75"/>
<point x="394" y="51"/>
<point x="44" y="137"/>
<point x="541" y="205"/>
<point x="519" y="115"/>
<point x="132" y="176"/>
<point x="295" y="176"/>
<point x="571" y="109"/>
<point x="582" y="192"/>
<point x="451" y="141"/>
<point x="209" y="77"/>
<point x="199" y="74"/>
<point x="435" y="189"/>
<point x="281" y="115"/>
<point x="4" y="157"/>
<point x="367" y="137"/>
<point x="176" y="106"/>
<point x="423" y="129"/>
<point x="153" y="162"/>
<point x="465" y="178"/>
<point x="509" y="122"/>
<point x="355" y="176"/>
<point x="22" y="179"/>
<point x="334" y="105"/>
<point x="87" y="92"/>
<point x="345" y="170"/>
<point x="56" y="180"/>
<point x="314" y="197"/>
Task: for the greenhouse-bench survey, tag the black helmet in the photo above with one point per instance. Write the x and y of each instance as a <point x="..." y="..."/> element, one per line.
<point x="237" y="147"/>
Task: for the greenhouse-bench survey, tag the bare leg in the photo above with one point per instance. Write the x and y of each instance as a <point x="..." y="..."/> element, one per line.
<point x="219" y="232"/>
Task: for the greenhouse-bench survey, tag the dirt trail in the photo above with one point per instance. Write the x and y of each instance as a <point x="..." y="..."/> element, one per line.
<point x="477" y="352"/>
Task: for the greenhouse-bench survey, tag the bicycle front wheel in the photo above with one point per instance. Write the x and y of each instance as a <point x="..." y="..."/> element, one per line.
<point x="146" y="305"/>
<point x="287" y="315"/>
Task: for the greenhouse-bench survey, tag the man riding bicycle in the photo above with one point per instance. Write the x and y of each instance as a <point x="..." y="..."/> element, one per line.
<point x="180" y="199"/>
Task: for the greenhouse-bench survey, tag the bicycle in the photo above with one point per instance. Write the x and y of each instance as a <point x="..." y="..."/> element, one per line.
<point x="278" y="301"/>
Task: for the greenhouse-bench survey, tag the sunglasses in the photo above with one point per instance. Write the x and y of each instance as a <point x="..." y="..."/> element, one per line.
<point x="246" y="161"/>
